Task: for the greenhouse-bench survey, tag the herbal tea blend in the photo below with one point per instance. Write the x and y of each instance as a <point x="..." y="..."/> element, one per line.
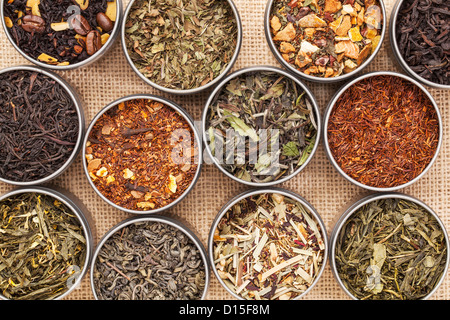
<point x="181" y="44"/>
<point x="142" y="155"/>
<point x="391" y="249"/>
<point x="39" y="126"/>
<point x="326" y="38"/>
<point x="268" y="246"/>
<point x="149" y="261"/>
<point x="422" y="33"/>
<point x="383" y="131"/>
<point x="261" y="126"/>
<point x="62" y="32"/>
<point x="42" y="246"/>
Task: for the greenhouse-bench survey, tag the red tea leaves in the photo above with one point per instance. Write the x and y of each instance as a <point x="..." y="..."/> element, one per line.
<point x="383" y="131"/>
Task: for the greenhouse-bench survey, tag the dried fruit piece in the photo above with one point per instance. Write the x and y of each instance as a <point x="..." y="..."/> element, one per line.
<point x="287" y="34"/>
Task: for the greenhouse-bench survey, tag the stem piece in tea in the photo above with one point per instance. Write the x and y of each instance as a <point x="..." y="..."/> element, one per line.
<point x="268" y="246"/>
<point x="181" y="44"/>
<point x="391" y="249"/>
<point x="261" y="126"/>
<point x="149" y="261"/>
<point x="42" y="246"/>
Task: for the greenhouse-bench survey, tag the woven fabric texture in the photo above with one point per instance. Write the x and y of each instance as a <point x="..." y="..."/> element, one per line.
<point x="112" y="78"/>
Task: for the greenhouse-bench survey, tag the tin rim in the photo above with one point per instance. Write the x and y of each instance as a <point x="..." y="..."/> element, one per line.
<point x="188" y="91"/>
<point x="250" y="193"/>
<point x="368" y="199"/>
<point x="153" y="218"/>
<point x="398" y="55"/>
<point x="167" y="103"/>
<point x="331" y="106"/>
<point x="81" y="122"/>
<point x="302" y="75"/>
<point x="100" y="53"/>
<point x="65" y="198"/>
<point x="217" y="90"/>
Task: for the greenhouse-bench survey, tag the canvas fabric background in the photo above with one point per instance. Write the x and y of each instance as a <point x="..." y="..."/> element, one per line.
<point x="111" y="78"/>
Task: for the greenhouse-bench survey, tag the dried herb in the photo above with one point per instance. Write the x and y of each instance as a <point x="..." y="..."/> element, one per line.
<point x="141" y="154"/>
<point x="268" y="246"/>
<point x="391" y="249"/>
<point x="326" y="38"/>
<point x="181" y="44"/>
<point x="60" y="32"/>
<point x="423" y="37"/>
<point x="383" y="131"/>
<point x="39" y="126"/>
<point x="149" y="261"/>
<point x="266" y="125"/>
<point x="42" y="247"/>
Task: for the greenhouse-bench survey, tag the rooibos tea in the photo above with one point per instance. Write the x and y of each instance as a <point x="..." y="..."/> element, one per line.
<point x="42" y="247"/>
<point x="326" y="38"/>
<point x="39" y="126"/>
<point x="268" y="246"/>
<point x="391" y="249"/>
<point x="149" y="260"/>
<point x="142" y="154"/>
<point x="63" y="32"/>
<point x="261" y="126"/>
<point x="423" y="38"/>
<point x="181" y="45"/>
<point x="383" y="131"/>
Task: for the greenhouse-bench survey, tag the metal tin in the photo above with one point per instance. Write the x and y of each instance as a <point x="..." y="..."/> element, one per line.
<point x="304" y="76"/>
<point x="81" y="121"/>
<point x="78" y="209"/>
<point x="216" y="92"/>
<point x="330" y="108"/>
<point x="168" y="103"/>
<point x="110" y="42"/>
<point x="188" y="91"/>
<point x="161" y="219"/>
<point x="363" y="200"/>
<point x="398" y="55"/>
<point x="250" y="193"/>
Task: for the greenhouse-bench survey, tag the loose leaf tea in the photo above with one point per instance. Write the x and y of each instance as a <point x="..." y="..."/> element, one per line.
<point x="266" y="124"/>
<point x="383" y="131"/>
<point x="42" y="247"/>
<point x="149" y="261"/>
<point x="180" y="44"/>
<point x="391" y="249"/>
<point x="423" y="37"/>
<point x="39" y="126"/>
<point x="268" y="247"/>
<point x="326" y="38"/>
<point x="62" y="32"/>
<point x="142" y="154"/>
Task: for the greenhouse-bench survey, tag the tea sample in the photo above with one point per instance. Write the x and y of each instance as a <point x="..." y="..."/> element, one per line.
<point x="266" y="124"/>
<point x="268" y="246"/>
<point x="326" y="38"/>
<point x="142" y="154"/>
<point x="181" y="44"/>
<point x="42" y="247"/>
<point x="39" y="126"/>
<point x="391" y="249"/>
<point x="423" y="38"/>
<point x="60" y="33"/>
<point x="149" y="261"/>
<point x="383" y="131"/>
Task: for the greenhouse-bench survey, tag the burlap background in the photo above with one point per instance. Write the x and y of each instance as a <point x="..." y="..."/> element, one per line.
<point x="112" y="78"/>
